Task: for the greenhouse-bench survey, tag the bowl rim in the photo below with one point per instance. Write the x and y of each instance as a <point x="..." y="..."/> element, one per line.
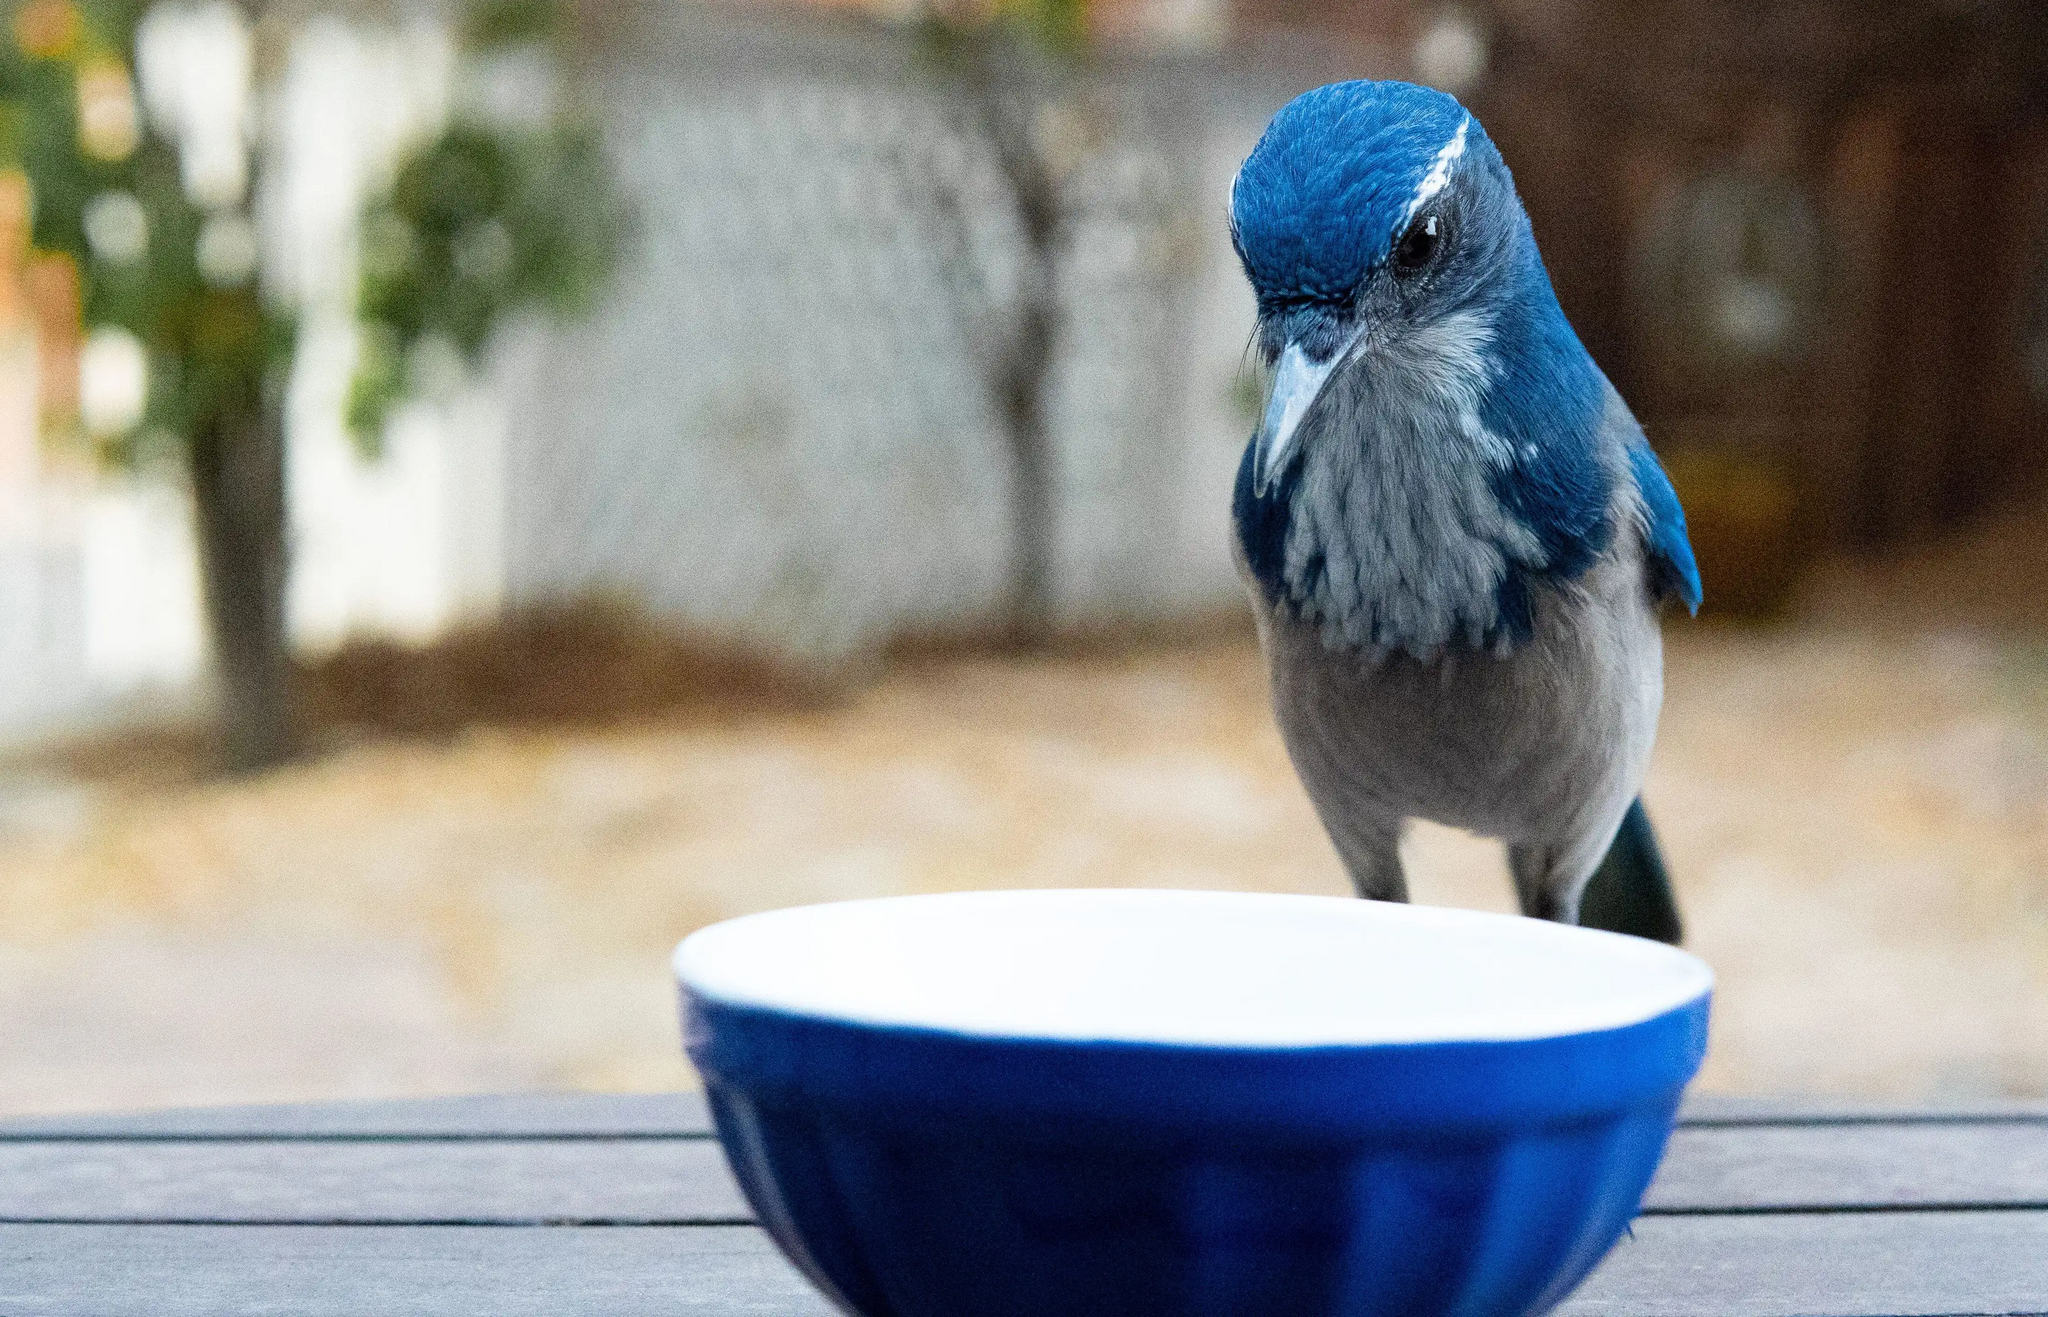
<point x="704" y="969"/>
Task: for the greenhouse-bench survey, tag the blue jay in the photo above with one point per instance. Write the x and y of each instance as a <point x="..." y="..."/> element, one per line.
<point x="1455" y="535"/>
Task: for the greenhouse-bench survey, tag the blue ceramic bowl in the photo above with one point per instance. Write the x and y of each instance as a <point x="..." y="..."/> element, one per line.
<point x="1162" y="1104"/>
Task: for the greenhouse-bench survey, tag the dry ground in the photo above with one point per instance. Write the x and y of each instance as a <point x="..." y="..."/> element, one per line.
<point x="1859" y="825"/>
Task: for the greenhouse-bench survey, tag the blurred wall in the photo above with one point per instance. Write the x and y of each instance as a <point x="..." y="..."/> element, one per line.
<point x="780" y="423"/>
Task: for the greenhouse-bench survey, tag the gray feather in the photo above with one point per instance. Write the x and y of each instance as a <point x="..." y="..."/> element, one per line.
<point x="1412" y="541"/>
<point x="1543" y="746"/>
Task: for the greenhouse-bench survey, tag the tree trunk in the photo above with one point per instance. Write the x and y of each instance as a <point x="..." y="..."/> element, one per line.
<point x="1022" y="388"/>
<point x="1005" y="96"/>
<point x="238" y="493"/>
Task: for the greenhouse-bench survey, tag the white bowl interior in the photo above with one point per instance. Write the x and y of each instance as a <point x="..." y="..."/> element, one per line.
<point x="1214" y="968"/>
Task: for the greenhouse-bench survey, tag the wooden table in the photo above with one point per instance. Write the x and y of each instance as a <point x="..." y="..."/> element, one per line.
<point x="500" y="1206"/>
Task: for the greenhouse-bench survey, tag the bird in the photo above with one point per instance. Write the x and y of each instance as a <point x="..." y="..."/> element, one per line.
<point x="1456" y="537"/>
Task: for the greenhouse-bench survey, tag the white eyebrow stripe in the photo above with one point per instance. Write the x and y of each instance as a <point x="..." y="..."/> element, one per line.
<point x="1439" y="172"/>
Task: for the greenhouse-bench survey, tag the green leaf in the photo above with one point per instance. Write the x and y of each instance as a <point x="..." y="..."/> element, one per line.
<point x="378" y="385"/>
<point x="496" y="24"/>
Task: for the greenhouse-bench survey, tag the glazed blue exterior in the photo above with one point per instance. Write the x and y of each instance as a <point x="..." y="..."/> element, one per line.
<point x="921" y="1173"/>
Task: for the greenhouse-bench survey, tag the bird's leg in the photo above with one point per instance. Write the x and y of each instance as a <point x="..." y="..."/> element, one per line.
<point x="1375" y="865"/>
<point x="1549" y="880"/>
<point x="1536" y="886"/>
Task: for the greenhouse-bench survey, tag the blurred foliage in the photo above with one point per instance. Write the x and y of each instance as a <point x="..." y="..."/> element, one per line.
<point x="106" y="193"/>
<point x="1060" y="26"/>
<point x="508" y="24"/>
<point x="957" y="34"/>
<point x="481" y="223"/>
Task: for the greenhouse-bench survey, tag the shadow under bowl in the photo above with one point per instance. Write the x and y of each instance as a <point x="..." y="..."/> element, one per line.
<point x="1162" y="1104"/>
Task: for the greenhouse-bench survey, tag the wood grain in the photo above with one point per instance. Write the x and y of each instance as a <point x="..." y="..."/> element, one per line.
<point x="505" y="1181"/>
<point x="1857" y="1167"/>
<point x="1959" y="1264"/>
<point x="1906" y="1264"/>
<point x="522" y="1115"/>
<point x="397" y="1271"/>
<point x="651" y="1180"/>
<point x="575" y="1204"/>
<point x="1723" y="1109"/>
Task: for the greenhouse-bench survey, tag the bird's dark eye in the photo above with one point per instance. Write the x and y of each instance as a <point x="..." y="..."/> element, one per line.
<point x="1418" y="246"/>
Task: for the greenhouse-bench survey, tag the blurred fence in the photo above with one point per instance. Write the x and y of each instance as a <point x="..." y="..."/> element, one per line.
<point x="782" y="423"/>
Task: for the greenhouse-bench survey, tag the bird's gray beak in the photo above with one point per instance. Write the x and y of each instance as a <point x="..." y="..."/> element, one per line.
<point x="1296" y="383"/>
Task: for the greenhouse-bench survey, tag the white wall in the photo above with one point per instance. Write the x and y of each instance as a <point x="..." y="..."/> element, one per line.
<point x="409" y="541"/>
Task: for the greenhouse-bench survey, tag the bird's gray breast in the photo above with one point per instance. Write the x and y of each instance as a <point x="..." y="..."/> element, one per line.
<point x="1517" y="744"/>
<point x="1396" y="538"/>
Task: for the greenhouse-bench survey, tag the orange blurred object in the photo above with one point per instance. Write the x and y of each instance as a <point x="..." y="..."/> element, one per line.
<point x="14" y="236"/>
<point x="18" y="429"/>
<point x="52" y="285"/>
<point x="47" y="29"/>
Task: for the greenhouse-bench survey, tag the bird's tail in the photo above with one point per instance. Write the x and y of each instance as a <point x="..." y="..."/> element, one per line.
<point x="1631" y="890"/>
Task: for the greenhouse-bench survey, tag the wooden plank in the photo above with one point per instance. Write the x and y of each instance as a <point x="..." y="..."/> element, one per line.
<point x="597" y="1181"/>
<point x="1905" y="1264"/>
<point x="397" y="1271"/>
<point x="1957" y="1264"/>
<point x="1853" y="1167"/>
<point x="652" y="1180"/>
<point x="517" y="1115"/>
<point x="662" y="1115"/>
<point x="1722" y="1109"/>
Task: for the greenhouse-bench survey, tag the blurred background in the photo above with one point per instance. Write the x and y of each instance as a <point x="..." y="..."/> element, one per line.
<point x="487" y="491"/>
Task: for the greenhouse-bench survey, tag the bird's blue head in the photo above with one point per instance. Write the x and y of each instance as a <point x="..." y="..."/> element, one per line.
<point x="1430" y="446"/>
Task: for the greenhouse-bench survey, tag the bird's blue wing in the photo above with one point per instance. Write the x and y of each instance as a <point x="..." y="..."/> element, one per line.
<point x="1673" y="571"/>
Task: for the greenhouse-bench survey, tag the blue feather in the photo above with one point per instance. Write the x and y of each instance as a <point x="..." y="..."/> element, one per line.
<point x="1262" y="522"/>
<point x="1671" y="561"/>
<point x="1316" y="213"/>
<point x="1316" y="205"/>
<point x="1547" y="403"/>
<point x="1442" y="461"/>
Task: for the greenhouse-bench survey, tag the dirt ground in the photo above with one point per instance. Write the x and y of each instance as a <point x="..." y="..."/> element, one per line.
<point x="1858" y="823"/>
